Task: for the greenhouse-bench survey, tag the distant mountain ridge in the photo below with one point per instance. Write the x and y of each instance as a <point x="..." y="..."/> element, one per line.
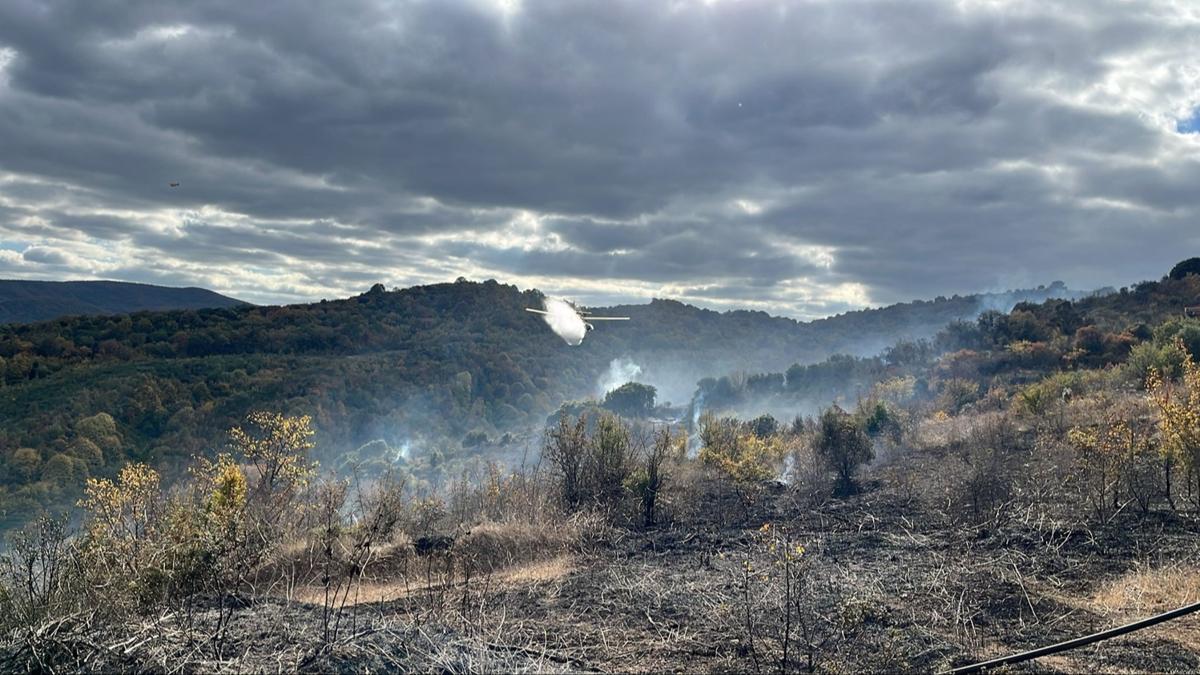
<point x="30" y="301"/>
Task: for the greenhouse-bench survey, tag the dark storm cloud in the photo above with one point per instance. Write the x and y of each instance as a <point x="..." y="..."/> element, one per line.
<point x="813" y="155"/>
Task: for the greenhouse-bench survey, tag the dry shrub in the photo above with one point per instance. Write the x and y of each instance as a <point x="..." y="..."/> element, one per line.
<point x="683" y="498"/>
<point x="38" y="573"/>
<point x="941" y="433"/>
<point x="591" y="531"/>
<point x="592" y="459"/>
<point x="1045" y="485"/>
<point x="496" y="494"/>
<point x="972" y="480"/>
<point x="983" y="493"/>
<point x="780" y="624"/>
<point x="996" y="431"/>
<point x="807" y="473"/>
<point x="697" y="496"/>
<point x="1117" y="460"/>
<point x="1095" y="407"/>
<point x="392" y="560"/>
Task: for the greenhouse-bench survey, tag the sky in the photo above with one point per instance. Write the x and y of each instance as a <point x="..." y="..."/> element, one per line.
<point x="803" y="158"/>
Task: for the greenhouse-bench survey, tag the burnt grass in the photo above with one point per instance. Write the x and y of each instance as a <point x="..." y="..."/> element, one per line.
<point x="889" y="585"/>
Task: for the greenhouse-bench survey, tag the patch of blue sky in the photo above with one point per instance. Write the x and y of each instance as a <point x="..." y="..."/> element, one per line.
<point x="1189" y="125"/>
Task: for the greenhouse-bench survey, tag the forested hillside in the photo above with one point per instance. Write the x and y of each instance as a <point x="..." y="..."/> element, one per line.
<point x="406" y="375"/>
<point x="29" y="301"/>
<point x="1132" y="328"/>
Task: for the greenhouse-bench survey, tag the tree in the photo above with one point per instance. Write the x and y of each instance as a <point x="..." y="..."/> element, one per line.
<point x="277" y="447"/>
<point x="843" y="446"/>
<point x="565" y="446"/>
<point x="908" y="352"/>
<point x="100" y="429"/>
<point x="25" y="463"/>
<point x="631" y="399"/>
<point x="764" y="425"/>
<point x="63" y="471"/>
<point x="1179" y="418"/>
<point x="958" y="335"/>
<point x="1185" y="268"/>
<point x="878" y="421"/>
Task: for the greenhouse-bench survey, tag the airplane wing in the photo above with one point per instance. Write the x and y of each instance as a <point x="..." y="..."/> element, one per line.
<point x="535" y="311"/>
<point x="606" y="318"/>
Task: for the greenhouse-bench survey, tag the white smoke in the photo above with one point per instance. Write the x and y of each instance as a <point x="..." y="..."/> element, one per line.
<point x="789" y="468"/>
<point x="564" y="320"/>
<point x="693" y="443"/>
<point x="402" y="452"/>
<point x="619" y="372"/>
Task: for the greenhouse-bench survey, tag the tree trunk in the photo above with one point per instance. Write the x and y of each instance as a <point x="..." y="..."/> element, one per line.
<point x="1167" y="473"/>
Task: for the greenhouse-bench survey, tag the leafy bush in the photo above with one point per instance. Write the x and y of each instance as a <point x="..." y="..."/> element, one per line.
<point x="1148" y="357"/>
<point x="844" y="447"/>
<point x="764" y="426"/>
<point x="739" y="455"/>
<point x="956" y="393"/>
<point x="1185" y="329"/>
<point x="878" y="420"/>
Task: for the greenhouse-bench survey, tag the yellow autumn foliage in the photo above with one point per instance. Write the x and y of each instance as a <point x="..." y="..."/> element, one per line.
<point x="276" y="447"/>
<point x="744" y="457"/>
<point x="1178" y="405"/>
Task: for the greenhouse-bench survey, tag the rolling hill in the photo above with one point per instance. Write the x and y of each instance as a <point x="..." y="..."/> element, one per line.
<point x="437" y="369"/>
<point x="31" y="301"/>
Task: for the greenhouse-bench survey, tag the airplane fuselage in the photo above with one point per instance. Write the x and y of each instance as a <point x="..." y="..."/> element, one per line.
<point x="567" y="322"/>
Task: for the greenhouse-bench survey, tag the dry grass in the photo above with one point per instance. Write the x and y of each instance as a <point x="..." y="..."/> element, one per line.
<point x="1145" y="592"/>
<point x="1150" y="591"/>
<point x="387" y="590"/>
<point x="488" y="554"/>
<point x="495" y="546"/>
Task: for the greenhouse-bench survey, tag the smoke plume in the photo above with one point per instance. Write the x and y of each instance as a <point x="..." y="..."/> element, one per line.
<point x="693" y="441"/>
<point x="619" y="372"/>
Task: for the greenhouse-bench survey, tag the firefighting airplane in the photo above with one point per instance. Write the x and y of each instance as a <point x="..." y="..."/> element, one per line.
<point x="568" y="322"/>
